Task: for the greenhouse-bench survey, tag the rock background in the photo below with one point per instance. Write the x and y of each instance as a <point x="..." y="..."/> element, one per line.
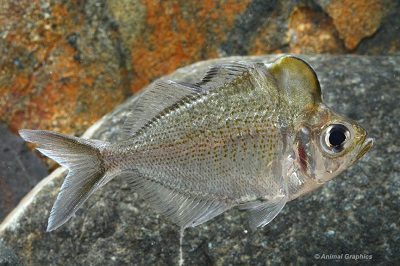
<point x="356" y="213"/>
<point x="60" y="60"/>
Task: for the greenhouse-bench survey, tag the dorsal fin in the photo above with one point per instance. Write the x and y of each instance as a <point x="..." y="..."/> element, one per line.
<point x="221" y="74"/>
<point x="163" y="94"/>
<point x="152" y="102"/>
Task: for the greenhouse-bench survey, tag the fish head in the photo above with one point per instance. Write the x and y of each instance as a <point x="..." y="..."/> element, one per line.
<point x="327" y="143"/>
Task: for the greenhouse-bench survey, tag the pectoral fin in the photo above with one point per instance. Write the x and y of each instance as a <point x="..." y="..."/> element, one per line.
<point x="262" y="213"/>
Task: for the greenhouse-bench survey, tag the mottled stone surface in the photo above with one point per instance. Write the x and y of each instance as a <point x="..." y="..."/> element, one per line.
<point x="20" y="170"/>
<point x="356" y="213"/>
<point x="60" y="60"/>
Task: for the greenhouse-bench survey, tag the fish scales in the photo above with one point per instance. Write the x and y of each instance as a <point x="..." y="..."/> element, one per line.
<point x="250" y="135"/>
<point x="223" y="135"/>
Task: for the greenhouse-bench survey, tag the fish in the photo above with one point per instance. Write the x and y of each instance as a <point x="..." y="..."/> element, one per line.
<point x="250" y="135"/>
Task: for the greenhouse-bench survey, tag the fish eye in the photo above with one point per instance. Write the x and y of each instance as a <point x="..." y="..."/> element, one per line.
<point x="335" y="137"/>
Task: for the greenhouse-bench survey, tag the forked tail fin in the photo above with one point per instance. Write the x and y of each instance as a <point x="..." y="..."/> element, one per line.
<point x="86" y="173"/>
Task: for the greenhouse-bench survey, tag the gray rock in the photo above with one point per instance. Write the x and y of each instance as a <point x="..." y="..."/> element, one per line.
<point x="357" y="213"/>
<point x="20" y="170"/>
<point x="8" y="257"/>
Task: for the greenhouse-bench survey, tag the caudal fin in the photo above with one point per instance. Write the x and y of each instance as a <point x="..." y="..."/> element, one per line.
<point x="86" y="169"/>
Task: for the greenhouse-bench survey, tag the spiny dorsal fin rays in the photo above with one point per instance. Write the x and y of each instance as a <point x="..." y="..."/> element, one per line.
<point x="219" y="75"/>
<point x="298" y="81"/>
<point x="162" y="95"/>
<point x="295" y="77"/>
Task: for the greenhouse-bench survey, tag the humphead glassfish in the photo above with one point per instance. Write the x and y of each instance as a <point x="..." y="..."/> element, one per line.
<point x="249" y="134"/>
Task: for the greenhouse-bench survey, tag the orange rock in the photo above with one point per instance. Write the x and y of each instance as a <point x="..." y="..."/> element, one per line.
<point x="310" y="31"/>
<point x="179" y="33"/>
<point x="356" y="20"/>
<point x="48" y="82"/>
<point x="65" y="65"/>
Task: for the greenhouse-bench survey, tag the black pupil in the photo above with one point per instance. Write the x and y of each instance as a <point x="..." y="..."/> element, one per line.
<point x="336" y="137"/>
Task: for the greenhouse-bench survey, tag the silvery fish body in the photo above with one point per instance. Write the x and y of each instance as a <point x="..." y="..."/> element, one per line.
<point x="249" y="134"/>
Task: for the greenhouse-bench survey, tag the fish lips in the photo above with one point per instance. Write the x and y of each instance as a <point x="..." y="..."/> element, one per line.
<point x="365" y="146"/>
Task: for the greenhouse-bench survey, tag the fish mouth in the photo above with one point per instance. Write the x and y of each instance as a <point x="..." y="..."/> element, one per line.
<point x="367" y="144"/>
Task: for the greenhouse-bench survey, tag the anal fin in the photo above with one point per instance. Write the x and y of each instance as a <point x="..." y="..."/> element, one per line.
<point x="181" y="208"/>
